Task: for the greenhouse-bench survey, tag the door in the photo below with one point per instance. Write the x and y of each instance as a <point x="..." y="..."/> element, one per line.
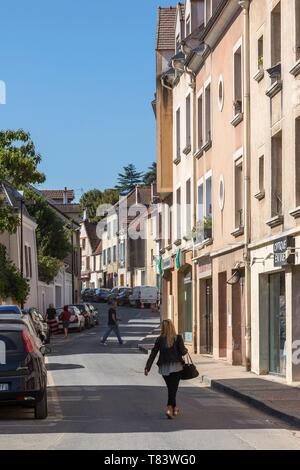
<point x="238" y="323"/>
<point x="223" y="314"/>
<point x="188" y="306"/>
<point x="277" y="324"/>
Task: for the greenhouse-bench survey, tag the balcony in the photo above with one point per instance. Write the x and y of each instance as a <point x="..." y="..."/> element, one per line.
<point x="238" y="113"/>
<point x="276" y="81"/>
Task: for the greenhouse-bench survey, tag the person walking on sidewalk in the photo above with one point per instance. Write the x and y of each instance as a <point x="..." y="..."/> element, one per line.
<point x="51" y="320"/>
<point x="65" y="318"/>
<point x="171" y="350"/>
<point x="113" y="324"/>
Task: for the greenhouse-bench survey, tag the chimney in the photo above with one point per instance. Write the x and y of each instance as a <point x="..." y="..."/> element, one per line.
<point x="65" y="201"/>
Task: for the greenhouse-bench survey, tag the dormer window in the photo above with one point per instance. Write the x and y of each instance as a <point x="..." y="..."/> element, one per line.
<point x="188" y="27"/>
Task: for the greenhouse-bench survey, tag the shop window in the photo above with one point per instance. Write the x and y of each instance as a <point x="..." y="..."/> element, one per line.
<point x="238" y="179"/>
<point x="297" y="161"/>
<point x="276" y="35"/>
<point x="200" y="122"/>
<point x="207" y="114"/>
<point x="238" y="100"/>
<point x="276" y="174"/>
<point x="188" y="207"/>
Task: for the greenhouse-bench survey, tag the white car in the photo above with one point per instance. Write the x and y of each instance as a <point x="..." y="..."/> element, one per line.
<point x="143" y="295"/>
<point x="77" y="320"/>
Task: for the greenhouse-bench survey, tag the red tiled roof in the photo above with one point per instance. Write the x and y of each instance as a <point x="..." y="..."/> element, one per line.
<point x="58" y="193"/>
<point x="165" y="37"/>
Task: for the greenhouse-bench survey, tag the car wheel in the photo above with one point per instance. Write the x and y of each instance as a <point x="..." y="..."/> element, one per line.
<point x="41" y="407"/>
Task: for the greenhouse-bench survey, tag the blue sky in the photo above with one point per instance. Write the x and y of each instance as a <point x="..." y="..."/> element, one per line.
<point x="80" y="77"/>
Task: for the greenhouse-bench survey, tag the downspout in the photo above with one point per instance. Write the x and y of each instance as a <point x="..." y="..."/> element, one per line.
<point x="194" y="182"/>
<point x="245" y="4"/>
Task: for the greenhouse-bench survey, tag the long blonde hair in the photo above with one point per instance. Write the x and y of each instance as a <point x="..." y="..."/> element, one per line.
<point x="169" y="332"/>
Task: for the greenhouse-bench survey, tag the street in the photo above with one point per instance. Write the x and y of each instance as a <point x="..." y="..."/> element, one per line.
<point x="99" y="398"/>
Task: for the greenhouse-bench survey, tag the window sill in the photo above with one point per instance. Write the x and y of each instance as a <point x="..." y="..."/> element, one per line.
<point x="296" y="69"/>
<point x="169" y="247"/>
<point x="207" y="146"/>
<point x="295" y="212"/>
<point x="201" y="245"/>
<point x="177" y="160"/>
<point x="274" y="89"/>
<point x="275" y="221"/>
<point x="238" y="118"/>
<point x="259" y="196"/>
<point x="187" y="150"/>
<point x="177" y="242"/>
<point x="162" y="251"/>
<point x="186" y="238"/>
<point x="199" y="153"/>
<point x="238" y="232"/>
<point x="259" y="75"/>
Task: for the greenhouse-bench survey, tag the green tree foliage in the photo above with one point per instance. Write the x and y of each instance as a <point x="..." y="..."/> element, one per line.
<point x="129" y="179"/>
<point x="18" y="165"/>
<point x="150" y="175"/>
<point x="12" y="284"/>
<point x="53" y="236"/>
<point x="91" y="200"/>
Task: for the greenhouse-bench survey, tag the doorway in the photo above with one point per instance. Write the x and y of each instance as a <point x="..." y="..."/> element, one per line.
<point x="277" y="324"/>
<point x="238" y="322"/>
<point x="188" y="305"/>
<point x="206" y="317"/>
<point x="223" y="314"/>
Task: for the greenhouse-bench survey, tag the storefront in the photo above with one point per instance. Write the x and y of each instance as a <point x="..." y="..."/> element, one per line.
<point x="275" y="312"/>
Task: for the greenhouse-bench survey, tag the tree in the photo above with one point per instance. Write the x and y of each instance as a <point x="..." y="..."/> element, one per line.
<point x="151" y="175"/>
<point x="53" y="236"/>
<point x="12" y="284"/>
<point x="91" y="200"/>
<point x="19" y="166"/>
<point x="128" y="180"/>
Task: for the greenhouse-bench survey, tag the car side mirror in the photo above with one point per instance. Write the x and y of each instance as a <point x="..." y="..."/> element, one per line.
<point x="45" y="350"/>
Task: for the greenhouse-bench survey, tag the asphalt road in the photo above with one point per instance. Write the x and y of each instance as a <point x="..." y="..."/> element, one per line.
<point x="99" y="398"/>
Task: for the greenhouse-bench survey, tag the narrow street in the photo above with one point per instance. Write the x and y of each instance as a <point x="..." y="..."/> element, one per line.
<point x="100" y="399"/>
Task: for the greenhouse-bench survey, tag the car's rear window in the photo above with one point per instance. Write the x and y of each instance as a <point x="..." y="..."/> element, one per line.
<point x="8" y="312"/>
<point x="12" y="341"/>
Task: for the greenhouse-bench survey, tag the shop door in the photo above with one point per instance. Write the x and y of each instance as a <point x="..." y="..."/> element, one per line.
<point x="277" y="324"/>
<point x="223" y="314"/>
<point x="238" y="323"/>
<point x="187" y="306"/>
<point x="208" y="317"/>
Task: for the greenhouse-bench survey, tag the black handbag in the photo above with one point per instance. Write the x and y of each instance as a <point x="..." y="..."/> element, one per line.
<point x="189" y="370"/>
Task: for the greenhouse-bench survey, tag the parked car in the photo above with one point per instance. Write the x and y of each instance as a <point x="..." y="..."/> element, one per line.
<point x="77" y="320"/>
<point x="143" y="295"/>
<point x="7" y="309"/>
<point x="87" y="295"/>
<point x="40" y="324"/>
<point x="115" y="292"/>
<point x="88" y="315"/>
<point x="94" y="313"/>
<point x="23" y="374"/>
<point x="101" y="295"/>
<point x="123" y="297"/>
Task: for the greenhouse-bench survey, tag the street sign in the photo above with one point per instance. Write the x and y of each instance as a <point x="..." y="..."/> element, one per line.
<point x="282" y="254"/>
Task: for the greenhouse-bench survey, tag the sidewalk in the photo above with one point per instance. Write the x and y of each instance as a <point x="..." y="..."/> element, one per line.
<point x="267" y="393"/>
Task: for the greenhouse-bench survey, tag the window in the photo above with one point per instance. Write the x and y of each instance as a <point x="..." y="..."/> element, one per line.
<point x="238" y="101"/>
<point x="188" y="27"/>
<point x="208" y="188"/>
<point x="178" y="149"/>
<point x="276" y="35"/>
<point x="208" y="10"/>
<point x="188" y="207"/>
<point x="297" y="19"/>
<point x="152" y="257"/>
<point x="221" y="93"/>
<point x="114" y="254"/>
<point x="260" y="53"/>
<point x="28" y="262"/>
<point x="276" y="174"/>
<point x="178" y="201"/>
<point x="83" y="243"/>
<point x="104" y="257"/>
<point x="297" y="161"/>
<point x="108" y="255"/>
<point x="261" y="174"/>
<point x="170" y="238"/>
<point x="200" y="203"/>
<point x="88" y="263"/>
<point x="188" y="122"/>
<point x="207" y="114"/>
<point x="238" y="180"/>
<point x="200" y="122"/>
<point x="95" y="263"/>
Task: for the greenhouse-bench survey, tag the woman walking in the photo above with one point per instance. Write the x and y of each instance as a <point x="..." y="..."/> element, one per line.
<point x="171" y="350"/>
<point x="51" y="320"/>
<point x="65" y="318"/>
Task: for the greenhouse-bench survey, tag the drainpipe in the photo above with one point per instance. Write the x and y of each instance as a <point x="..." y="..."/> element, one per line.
<point x="245" y="4"/>
<point x="194" y="182"/>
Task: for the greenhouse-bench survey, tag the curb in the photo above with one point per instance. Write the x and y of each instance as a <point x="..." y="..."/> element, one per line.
<point x="263" y="406"/>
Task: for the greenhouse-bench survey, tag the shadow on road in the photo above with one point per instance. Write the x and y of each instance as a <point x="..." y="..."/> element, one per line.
<point x="54" y="366"/>
<point x="134" y="409"/>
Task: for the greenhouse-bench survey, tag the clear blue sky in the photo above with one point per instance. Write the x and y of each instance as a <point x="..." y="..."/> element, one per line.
<point x="80" y="77"/>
